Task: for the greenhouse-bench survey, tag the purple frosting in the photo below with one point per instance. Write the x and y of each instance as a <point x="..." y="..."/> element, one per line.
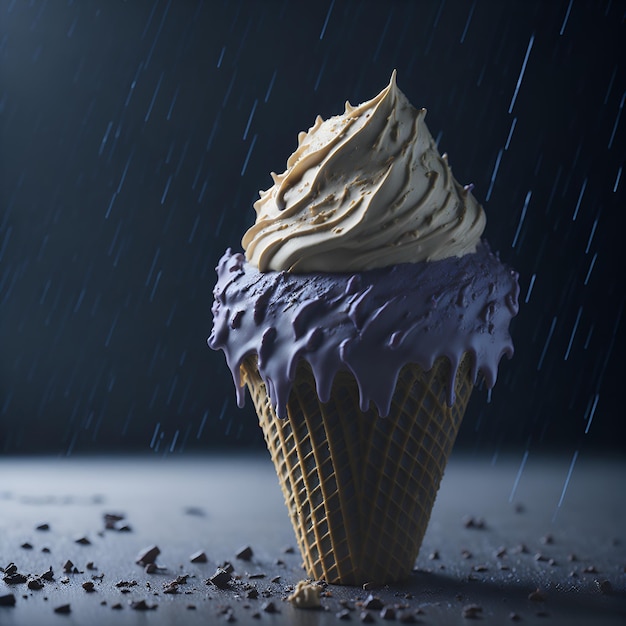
<point x="371" y="323"/>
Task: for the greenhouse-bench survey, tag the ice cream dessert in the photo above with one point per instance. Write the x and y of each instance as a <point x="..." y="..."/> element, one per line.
<point x="363" y="312"/>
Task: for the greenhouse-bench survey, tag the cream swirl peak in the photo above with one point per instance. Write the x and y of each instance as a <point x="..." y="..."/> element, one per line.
<point x="363" y="190"/>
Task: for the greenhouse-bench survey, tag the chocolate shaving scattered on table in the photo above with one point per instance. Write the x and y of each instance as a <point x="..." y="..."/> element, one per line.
<point x="148" y="556"/>
<point x="245" y="554"/>
<point x="7" y="599"/>
<point x="198" y="557"/>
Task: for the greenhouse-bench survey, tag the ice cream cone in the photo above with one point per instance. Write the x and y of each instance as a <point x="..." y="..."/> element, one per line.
<point x="359" y="487"/>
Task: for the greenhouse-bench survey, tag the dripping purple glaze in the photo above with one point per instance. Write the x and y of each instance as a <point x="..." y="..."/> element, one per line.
<point x="370" y="323"/>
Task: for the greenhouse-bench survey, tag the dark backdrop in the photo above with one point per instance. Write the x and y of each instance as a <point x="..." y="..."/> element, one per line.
<point x="134" y="139"/>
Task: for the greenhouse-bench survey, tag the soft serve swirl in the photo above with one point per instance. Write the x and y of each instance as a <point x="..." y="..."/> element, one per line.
<point x="363" y="190"/>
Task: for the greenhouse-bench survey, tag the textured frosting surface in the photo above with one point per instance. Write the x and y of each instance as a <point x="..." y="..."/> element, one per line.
<point x="364" y="189"/>
<point x="371" y="323"/>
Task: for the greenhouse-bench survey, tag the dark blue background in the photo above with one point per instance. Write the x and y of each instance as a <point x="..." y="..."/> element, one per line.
<point x="134" y="137"/>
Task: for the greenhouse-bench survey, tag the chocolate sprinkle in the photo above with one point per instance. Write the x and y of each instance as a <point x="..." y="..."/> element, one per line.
<point x="373" y="602"/>
<point x="537" y="596"/>
<point x="220" y="579"/>
<point x="8" y="599"/>
<point x="198" y="557"/>
<point x="472" y="611"/>
<point x="142" y="605"/>
<point x="35" y="584"/>
<point x="245" y="554"/>
<point x="269" y="607"/>
<point x="149" y="555"/>
<point x="64" y="609"/>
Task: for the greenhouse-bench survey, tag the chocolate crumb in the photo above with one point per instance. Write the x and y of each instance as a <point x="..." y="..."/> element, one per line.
<point x="46" y="550"/>
<point x="194" y="510"/>
<point x="227" y="566"/>
<point x="111" y="519"/>
<point x="68" y="567"/>
<point x="590" y="569"/>
<point x="572" y="557"/>
<point x="8" y="599"/>
<point x="220" y="579"/>
<point x="388" y="613"/>
<point x="256" y="575"/>
<point x="83" y="541"/>
<point x="88" y="586"/>
<point x="540" y="557"/>
<point x="520" y="549"/>
<point x="149" y="555"/>
<point x="537" y="596"/>
<point x="276" y="579"/>
<point x="125" y="529"/>
<point x="547" y="539"/>
<point x="43" y="527"/>
<point x="480" y="568"/>
<point x="252" y="593"/>
<point x="48" y="575"/>
<point x="65" y="580"/>
<point x="117" y="606"/>
<point x="270" y="607"/>
<point x="198" y="557"/>
<point x="191" y="607"/>
<point x="474" y="522"/>
<point x="11" y="568"/>
<point x="343" y="614"/>
<point x="472" y="611"/>
<point x="150" y="568"/>
<point x="367" y="617"/>
<point x="514" y="617"/>
<point x="64" y="608"/>
<point x="434" y="555"/>
<point x="142" y="605"/>
<point x="35" y="584"/>
<point x="91" y="566"/>
<point x="14" y="579"/>
<point x="466" y="554"/>
<point x="604" y="586"/>
<point x="26" y="546"/>
<point x="500" y="552"/>
<point x="407" y="618"/>
<point x="288" y="550"/>
<point x="245" y="554"/>
<point x="373" y="602"/>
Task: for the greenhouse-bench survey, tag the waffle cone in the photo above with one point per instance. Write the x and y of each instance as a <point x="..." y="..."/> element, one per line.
<point x="359" y="487"/>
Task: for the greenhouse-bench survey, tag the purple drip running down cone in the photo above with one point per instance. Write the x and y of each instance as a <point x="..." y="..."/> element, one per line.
<point x="370" y="323"/>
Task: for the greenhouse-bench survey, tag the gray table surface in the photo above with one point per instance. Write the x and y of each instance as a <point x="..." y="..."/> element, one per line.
<point x="574" y="554"/>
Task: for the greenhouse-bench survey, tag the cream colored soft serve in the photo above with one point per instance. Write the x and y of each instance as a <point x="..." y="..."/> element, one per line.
<point x="364" y="189"/>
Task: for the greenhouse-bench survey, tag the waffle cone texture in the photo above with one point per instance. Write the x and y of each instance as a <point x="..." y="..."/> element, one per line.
<point x="359" y="487"/>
